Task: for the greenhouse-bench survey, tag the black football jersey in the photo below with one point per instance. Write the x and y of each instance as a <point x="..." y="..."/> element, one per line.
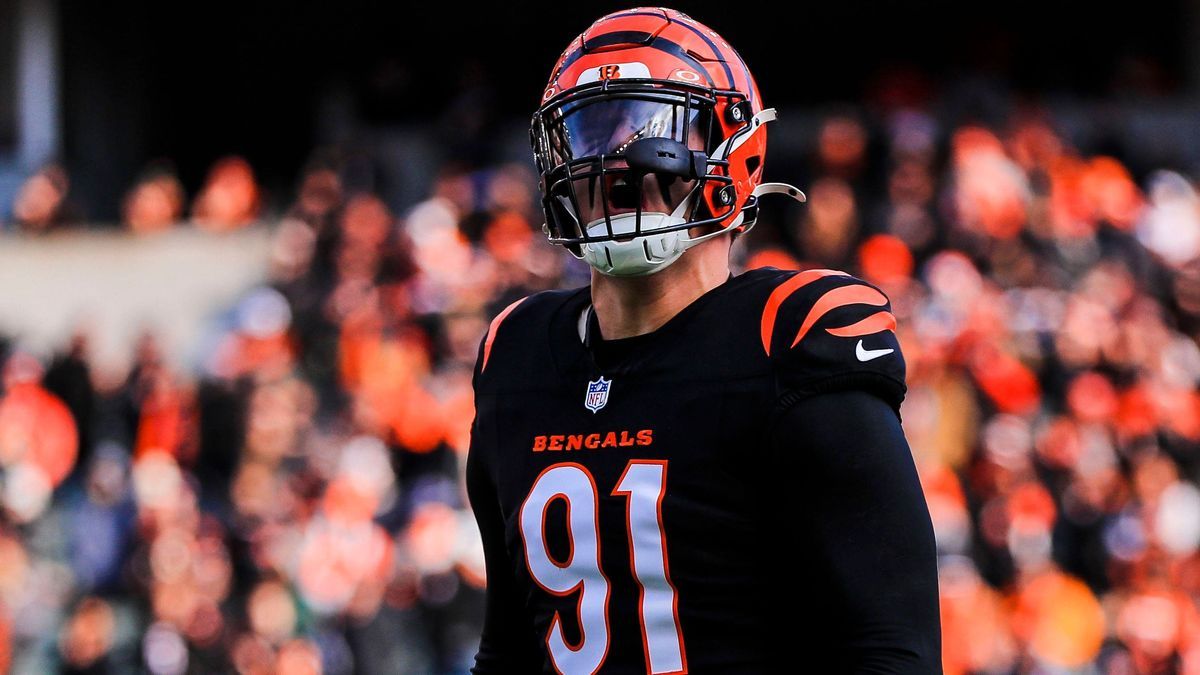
<point x="638" y="508"/>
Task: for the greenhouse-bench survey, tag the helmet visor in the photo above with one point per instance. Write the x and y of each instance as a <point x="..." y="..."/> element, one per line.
<point x="605" y="126"/>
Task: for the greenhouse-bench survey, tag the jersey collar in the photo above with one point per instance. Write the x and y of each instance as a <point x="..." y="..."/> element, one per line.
<point x="575" y="328"/>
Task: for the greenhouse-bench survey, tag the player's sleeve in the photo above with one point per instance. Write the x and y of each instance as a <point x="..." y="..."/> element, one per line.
<point x="507" y="643"/>
<point x="855" y="505"/>
<point x="827" y="331"/>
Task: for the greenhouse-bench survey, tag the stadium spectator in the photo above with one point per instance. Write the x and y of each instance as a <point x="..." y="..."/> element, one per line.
<point x="230" y="197"/>
<point x="155" y="202"/>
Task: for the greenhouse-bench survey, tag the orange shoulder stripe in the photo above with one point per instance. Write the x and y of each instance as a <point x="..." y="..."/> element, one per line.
<point x="879" y="321"/>
<point x="781" y="293"/>
<point x="491" y="334"/>
<point x="838" y="297"/>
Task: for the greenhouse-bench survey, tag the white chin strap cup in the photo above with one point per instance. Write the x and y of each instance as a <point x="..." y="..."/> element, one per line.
<point x="650" y="252"/>
<point x="637" y="256"/>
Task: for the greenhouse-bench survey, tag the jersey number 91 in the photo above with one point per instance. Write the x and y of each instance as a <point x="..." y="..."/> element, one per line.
<point x="643" y="485"/>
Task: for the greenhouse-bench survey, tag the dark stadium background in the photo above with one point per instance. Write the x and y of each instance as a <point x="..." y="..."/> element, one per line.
<point x="143" y="80"/>
<point x="248" y="250"/>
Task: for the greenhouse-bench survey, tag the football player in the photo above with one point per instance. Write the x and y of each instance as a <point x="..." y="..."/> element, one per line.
<point x="675" y="469"/>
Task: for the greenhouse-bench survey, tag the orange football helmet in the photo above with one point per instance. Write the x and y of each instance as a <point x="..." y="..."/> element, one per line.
<point x="651" y="125"/>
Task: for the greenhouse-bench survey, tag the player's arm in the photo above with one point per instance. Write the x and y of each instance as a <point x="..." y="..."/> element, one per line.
<point x="854" y="502"/>
<point x="861" y="516"/>
<point x="507" y="644"/>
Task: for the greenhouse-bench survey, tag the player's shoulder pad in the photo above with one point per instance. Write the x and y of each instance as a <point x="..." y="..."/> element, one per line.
<point x="825" y="330"/>
<point x="518" y="332"/>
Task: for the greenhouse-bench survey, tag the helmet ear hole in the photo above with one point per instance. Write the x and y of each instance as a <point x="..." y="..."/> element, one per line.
<point x="752" y="164"/>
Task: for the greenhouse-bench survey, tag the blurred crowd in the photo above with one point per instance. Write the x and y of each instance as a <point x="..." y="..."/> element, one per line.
<point x="229" y="199"/>
<point x="295" y="505"/>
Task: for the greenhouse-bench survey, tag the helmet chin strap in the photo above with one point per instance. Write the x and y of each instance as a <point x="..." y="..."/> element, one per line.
<point x="651" y="251"/>
<point x="644" y="254"/>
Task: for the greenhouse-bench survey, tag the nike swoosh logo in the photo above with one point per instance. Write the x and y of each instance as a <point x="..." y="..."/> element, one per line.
<point x="868" y="354"/>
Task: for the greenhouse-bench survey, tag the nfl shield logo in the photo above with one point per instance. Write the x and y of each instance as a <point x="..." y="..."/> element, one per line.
<point x="597" y="394"/>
